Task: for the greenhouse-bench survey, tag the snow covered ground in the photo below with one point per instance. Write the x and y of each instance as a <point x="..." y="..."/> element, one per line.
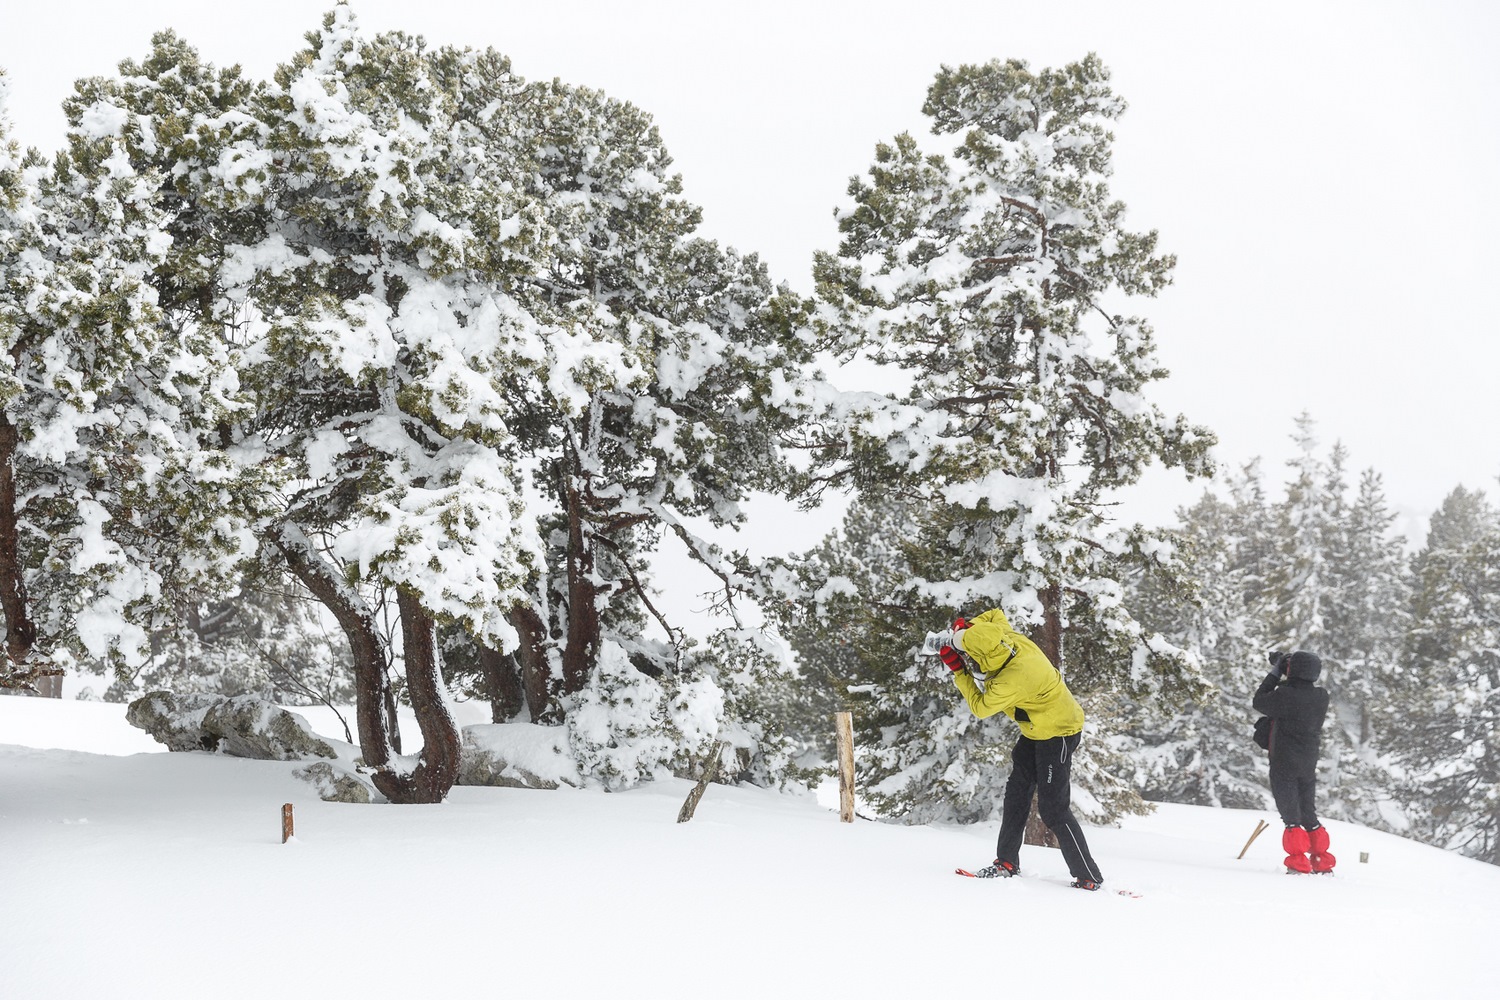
<point x="129" y="872"/>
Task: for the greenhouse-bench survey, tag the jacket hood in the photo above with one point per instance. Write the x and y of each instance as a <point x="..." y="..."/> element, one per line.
<point x="1305" y="666"/>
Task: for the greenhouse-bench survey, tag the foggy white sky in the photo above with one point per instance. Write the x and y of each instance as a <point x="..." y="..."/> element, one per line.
<point x="1325" y="172"/>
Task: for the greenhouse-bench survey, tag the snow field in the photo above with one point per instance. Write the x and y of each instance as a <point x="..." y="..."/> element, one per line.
<point x="145" y="874"/>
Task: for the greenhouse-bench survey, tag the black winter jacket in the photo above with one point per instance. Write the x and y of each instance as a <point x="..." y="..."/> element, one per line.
<point x="1297" y="709"/>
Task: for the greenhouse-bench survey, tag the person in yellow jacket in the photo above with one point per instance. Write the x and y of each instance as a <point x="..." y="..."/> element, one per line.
<point x="1017" y="678"/>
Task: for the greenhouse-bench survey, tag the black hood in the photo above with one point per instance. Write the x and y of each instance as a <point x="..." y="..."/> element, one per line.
<point x="1305" y="666"/>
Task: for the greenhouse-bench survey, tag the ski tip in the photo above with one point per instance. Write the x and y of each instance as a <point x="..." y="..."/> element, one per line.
<point x="960" y="871"/>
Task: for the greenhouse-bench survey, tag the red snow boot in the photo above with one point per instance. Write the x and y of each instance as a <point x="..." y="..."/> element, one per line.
<point x="1322" y="861"/>
<point x="1294" y="841"/>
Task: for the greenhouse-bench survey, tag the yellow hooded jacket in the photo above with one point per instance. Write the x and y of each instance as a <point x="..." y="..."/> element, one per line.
<point x="1017" y="676"/>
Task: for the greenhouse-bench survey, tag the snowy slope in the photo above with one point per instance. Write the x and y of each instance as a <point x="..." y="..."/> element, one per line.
<point x="145" y="874"/>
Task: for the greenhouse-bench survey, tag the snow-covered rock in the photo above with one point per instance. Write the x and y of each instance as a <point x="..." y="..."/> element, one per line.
<point x="238" y="727"/>
<point x="517" y="755"/>
<point x="335" y="785"/>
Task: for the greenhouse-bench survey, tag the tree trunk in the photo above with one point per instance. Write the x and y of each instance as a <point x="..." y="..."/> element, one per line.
<point x="1049" y="640"/>
<point x="437" y="769"/>
<point x="536" y="672"/>
<point x="583" y="596"/>
<point x="20" y="631"/>
<point x="1049" y="637"/>
<point x="501" y="684"/>
<point x="388" y="700"/>
<point x="365" y="644"/>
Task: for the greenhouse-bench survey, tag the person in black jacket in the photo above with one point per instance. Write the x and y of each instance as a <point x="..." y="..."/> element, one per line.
<point x="1297" y="709"/>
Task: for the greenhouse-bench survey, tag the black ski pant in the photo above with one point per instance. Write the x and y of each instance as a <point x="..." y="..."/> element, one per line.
<point x="1294" y="790"/>
<point x="1044" y="768"/>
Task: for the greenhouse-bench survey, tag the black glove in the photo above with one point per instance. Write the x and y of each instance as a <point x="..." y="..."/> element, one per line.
<point x="951" y="658"/>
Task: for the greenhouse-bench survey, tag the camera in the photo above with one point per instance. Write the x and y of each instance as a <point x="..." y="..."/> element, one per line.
<point x="1276" y="658"/>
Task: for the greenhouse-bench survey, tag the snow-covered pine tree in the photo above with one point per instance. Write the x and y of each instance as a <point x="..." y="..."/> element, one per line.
<point x="21" y="665"/>
<point x="1368" y="619"/>
<point x="1307" y="523"/>
<point x="985" y="281"/>
<point x="383" y="336"/>
<point x="654" y="410"/>
<point x="1444" y="710"/>
<point x="1201" y="752"/>
<point x="106" y="408"/>
<point x="1334" y="564"/>
<point x="853" y="602"/>
<point x="177" y="120"/>
<point x="437" y="279"/>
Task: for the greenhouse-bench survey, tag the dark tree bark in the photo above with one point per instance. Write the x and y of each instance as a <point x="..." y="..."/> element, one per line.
<point x="392" y="720"/>
<point x="584" y="627"/>
<point x="1049" y="637"/>
<point x="1049" y="640"/>
<point x="365" y="643"/>
<point x="531" y="656"/>
<point x="18" y="670"/>
<point x="437" y="769"/>
<point x="501" y="684"/>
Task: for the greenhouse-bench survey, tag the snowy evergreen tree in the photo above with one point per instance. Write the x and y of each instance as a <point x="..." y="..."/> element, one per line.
<point x="442" y="286"/>
<point x="1444" y="712"/>
<point x="107" y="407"/>
<point x="854" y="633"/>
<point x="983" y="280"/>
<point x="1306" y="526"/>
<point x="384" y="334"/>
<point x="1202" y="752"/>
<point x="1336" y="589"/>
<point x="661" y="408"/>
<point x="1313" y="570"/>
<point x="177" y="118"/>
<point x="644" y="403"/>
<point x="1369" y="617"/>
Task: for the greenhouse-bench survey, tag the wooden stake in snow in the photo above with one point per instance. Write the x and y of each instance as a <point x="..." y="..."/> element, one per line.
<point x="286" y="822"/>
<point x="1259" y="826"/>
<point x="844" y="729"/>
<point x="710" y="772"/>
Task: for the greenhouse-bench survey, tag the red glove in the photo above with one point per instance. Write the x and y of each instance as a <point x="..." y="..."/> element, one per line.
<point x="959" y="624"/>
<point x="951" y="658"/>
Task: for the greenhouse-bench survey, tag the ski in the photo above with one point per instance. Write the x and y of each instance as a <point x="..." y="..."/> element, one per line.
<point x="1127" y="893"/>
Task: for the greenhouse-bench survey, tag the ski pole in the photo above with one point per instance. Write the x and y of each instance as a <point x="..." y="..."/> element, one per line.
<point x="1259" y="826"/>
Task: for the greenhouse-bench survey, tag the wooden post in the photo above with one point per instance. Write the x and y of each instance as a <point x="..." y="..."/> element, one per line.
<point x="710" y="772"/>
<point x="1259" y="826"/>
<point x="844" y="729"/>
<point x="286" y="822"/>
